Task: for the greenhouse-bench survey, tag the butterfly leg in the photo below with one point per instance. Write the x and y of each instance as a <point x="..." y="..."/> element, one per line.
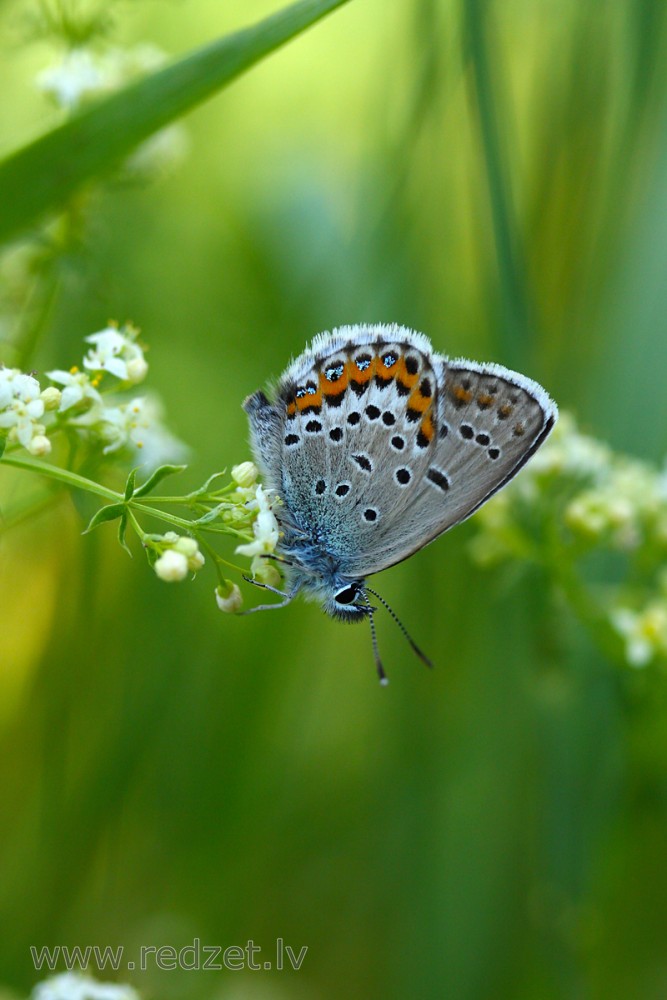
<point x="268" y="607"/>
<point x="266" y="586"/>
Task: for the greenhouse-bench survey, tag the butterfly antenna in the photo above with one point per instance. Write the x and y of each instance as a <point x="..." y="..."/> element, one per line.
<point x="422" y="656"/>
<point x="374" y="639"/>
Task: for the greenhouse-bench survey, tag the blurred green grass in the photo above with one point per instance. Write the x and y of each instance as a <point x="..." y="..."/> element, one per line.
<point x="494" y="828"/>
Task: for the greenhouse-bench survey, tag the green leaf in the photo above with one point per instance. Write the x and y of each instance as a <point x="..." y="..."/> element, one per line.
<point x="42" y="176"/>
<point x="108" y="513"/>
<point x="210" y="515"/>
<point x="206" y="488"/>
<point x="156" y="478"/>
<point x="122" y="528"/>
<point x="129" y="485"/>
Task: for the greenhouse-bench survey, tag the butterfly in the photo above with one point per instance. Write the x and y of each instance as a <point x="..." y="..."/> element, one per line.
<point x="375" y="445"/>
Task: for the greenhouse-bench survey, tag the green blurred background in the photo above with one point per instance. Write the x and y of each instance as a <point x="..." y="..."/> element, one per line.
<point x="495" y="175"/>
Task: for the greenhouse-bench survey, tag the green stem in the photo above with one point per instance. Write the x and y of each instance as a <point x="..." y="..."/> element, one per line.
<point x="589" y="613"/>
<point x="141" y="534"/>
<point x="75" y="481"/>
<point x="176" y="522"/>
<point x="182" y="501"/>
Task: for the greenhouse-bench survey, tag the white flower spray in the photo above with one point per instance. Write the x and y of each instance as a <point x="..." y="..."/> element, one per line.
<point x="79" y="986"/>
<point x="577" y="498"/>
<point x="94" y="404"/>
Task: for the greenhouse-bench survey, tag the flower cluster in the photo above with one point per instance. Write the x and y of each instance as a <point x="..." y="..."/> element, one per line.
<point x="92" y="402"/>
<point x="575" y="501"/>
<point x="244" y="509"/>
<point x="95" y="407"/>
<point x="77" y="986"/>
<point x="84" y="74"/>
<point x="178" y="556"/>
<point x="22" y="408"/>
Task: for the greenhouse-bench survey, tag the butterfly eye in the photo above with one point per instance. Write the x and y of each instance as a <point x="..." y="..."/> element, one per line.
<point x="347" y="595"/>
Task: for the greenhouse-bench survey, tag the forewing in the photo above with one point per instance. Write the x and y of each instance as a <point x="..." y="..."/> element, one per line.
<point x="489" y="422"/>
<point x="359" y="425"/>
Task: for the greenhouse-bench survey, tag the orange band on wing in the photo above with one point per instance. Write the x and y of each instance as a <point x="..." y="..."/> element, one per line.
<point x="426" y="428"/>
<point x="417" y="402"/>
<point x="383" y="371"/>
<point x="313" y="399"/>
<point x="362" y="375"/>
<point x="405" y="379"/>
<point x="460" y="394"/>
<point x="329" y="387"/>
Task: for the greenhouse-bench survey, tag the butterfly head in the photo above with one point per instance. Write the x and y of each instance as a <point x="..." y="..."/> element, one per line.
<point x="347" y="602"/>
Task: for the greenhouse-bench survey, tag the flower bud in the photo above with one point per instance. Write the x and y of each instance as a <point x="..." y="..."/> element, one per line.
<point x="40" y="445"/>
<point x="264" y="571"/>
<point x="51" y="398"/>
<point x="172" y="566"/>
<point x="245" y="474"/>
<point x="137" y="369"/>
<point x="228" y="597"/>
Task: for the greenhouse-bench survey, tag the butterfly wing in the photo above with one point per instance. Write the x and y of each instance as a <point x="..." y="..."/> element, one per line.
<point x="350" y="405"/>
<point x="488" y="422"/>
<point x="377" y="445"/>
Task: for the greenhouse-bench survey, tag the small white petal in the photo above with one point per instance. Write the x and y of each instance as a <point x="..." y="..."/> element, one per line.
<point x="35" y="409"/>
<point x="115" y="366"/>
<point x="250" y="549"/>
<point x="71" y="395"/>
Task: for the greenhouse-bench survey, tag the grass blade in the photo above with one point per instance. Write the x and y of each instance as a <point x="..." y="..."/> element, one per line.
<point x="517" y="322"/>
<point x="42" y="176"/>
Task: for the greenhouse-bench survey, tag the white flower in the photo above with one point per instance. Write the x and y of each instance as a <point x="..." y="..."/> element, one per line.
<point x="139" y="425"/>
<point x="76" y="986"/>
<point x="596" y="512"/>
<point x="79" y="75"/>
<point x="265" y="528"/>
<point x="245" y="474"/>
<point x="231" y="601"/>
<point x="77" y="388"/>
<point x="116" y="352"/>
<point x="645" y="632"/>
<point x="172" y="566"/>
<point x="14" y="385"/>
<point x="83" y="74"/>
<point x="20" y="407"/>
